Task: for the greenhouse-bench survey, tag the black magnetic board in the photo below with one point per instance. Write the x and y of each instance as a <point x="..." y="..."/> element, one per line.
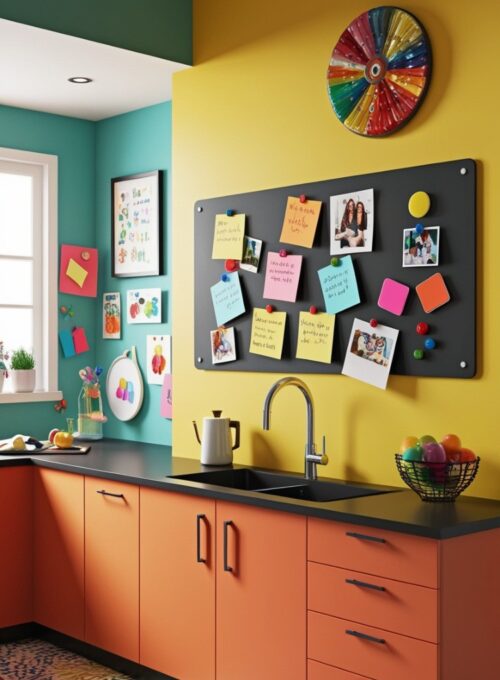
<point x="452" y="188"/>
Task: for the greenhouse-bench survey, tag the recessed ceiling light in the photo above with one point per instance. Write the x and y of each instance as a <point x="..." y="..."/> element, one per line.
<point x="80" y="80"/>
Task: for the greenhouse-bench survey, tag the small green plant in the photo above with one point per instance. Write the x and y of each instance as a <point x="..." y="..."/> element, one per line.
<point x="22" y="360"/>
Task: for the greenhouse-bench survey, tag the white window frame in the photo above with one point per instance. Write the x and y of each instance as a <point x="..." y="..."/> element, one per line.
<point x="45" y="307"/>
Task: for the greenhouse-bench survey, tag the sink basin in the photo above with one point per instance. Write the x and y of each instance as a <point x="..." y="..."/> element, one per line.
<point x="323" y="492"/>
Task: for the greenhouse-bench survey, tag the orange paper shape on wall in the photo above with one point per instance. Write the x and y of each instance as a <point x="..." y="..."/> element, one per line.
<point x="300" y="222"/>
<point x="74" y="285"/>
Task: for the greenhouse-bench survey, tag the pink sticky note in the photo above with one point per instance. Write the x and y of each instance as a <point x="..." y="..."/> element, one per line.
<point x="393" y="296"/>
<point x="80" y="340"/>
<point x="166" y="397"/>
<point x="87" y="259"/>
<point x="282" y="277"/>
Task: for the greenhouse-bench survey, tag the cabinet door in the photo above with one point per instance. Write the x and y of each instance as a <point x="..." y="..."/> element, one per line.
<point x="59" y="551"/>
<point x="261" y="594"/>
<point x="177" y="584"/>
<point x="112" y="566"/>
<point x="16" y="546"/>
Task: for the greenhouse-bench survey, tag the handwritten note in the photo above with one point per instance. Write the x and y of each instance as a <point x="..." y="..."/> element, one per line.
<point x="268" y="333"/>
<point x="300" y="222"/>
<point x="339" y="286"/>
<point x="282" y="277"/>
<point x="315" y="338"/>
<point x="228" y="237"/>
<point x="227" y="299"/>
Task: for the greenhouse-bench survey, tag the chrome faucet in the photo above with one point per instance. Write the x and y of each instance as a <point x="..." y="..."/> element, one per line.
<point x="312" y="459"/>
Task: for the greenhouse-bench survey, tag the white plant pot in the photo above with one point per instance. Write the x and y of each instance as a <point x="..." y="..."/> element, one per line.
<point x="23" y="381"/>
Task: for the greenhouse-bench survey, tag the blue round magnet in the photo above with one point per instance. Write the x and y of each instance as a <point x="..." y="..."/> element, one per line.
<point x="419" y="228"/>
<point x="430" y="343"/>
<point x="225" y="277"/>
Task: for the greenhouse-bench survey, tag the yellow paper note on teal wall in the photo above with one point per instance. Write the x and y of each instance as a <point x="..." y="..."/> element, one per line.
<point x="315" y="338"/>
<point x="268" y="333"/>
<point x="228" y="237"/>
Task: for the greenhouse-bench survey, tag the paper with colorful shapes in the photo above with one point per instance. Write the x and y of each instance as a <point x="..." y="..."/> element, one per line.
<point x="370" y="352"/>
<point x="158" y="358"/>
<point x="228" y="237"/>
<point x="124" y="386"/>
<point x="227" y="299"/>
<point x="144" y="305"/>
<point x="282" y="277"/>
<point x="78" y="270"/>
<point x="315" y="337"/>
<point x="111" y="315"/>
<point x="300" y="222"/>
<point x="339" y="285"/>
<point x="166" y="397"/>
<point x="268" y="333"/>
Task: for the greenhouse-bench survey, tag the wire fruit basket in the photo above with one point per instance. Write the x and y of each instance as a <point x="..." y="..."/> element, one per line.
<point x="437" y="482"/>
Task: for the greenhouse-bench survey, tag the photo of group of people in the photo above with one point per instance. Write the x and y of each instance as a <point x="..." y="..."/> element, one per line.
<point x="370" y="353"/>
<point x="351" y="222"/>
<point x="372" y="347"/>
<point x="223" y="345"/>
<point x="421" y="249"/>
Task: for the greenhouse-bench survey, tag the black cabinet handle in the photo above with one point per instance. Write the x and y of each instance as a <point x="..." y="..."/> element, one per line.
<point x="364" y="636"/>
<point x="364" y="584"/>
<point x="107" y="493"/>
<point x="365" y="537"/>
<point x="199" y="519"/>
<point x="228" y="523"/>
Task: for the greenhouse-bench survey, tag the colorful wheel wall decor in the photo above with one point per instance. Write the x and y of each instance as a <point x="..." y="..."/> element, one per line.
<point x="379" y="71"/>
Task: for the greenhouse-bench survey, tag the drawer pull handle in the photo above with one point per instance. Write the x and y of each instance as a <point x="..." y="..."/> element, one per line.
<point x="228" y="523"/>
<point x="107" y="493"/>
<point x="364" y="636"/>
<point x="199" y="519"/>
<point x="365" y="537"/>
<point x="364" y="584"/>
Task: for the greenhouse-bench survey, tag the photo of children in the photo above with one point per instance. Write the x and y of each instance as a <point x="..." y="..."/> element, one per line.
<point x="372" y="347"/>
<point x="421" y="249"/>
<point x="252" y="248"/>
<point x="351" y="222"/>
<point x="370" y="352"/>
<point x="223" y="345"/>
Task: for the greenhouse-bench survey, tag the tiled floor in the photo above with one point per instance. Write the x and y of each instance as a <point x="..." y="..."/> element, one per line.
<point x="39" y="660"/>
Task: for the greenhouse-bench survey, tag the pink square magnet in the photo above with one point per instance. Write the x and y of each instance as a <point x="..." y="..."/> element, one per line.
<point x="393" y="296"/>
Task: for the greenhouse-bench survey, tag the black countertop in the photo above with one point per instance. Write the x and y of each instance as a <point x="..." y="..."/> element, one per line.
<point x="151" y="465"/>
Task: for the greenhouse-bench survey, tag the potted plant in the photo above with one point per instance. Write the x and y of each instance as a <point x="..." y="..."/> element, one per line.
<point x="4" y="356"/>
<point x="22" y="367"/>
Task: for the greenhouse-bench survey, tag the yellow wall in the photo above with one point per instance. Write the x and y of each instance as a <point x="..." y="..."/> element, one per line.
<point x="254" y="114"/>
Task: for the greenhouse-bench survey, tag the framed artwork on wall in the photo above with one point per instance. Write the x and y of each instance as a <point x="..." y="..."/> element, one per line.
<point x="136" y="224"/>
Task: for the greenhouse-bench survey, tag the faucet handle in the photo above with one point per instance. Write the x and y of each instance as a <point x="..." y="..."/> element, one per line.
<point x="324" y="457"/>
<point x="319" y="458"/>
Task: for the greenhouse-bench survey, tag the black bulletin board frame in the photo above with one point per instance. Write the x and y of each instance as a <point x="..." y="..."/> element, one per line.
<point x="452" y="188"/>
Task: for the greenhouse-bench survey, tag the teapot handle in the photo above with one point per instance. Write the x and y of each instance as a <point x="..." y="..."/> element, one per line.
<point x="236" y="425"/>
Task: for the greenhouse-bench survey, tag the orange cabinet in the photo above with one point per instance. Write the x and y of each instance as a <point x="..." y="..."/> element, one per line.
<point x="112" y="566"/>
<point x="59" y="551"/>
<point x="16" y="546"/>
<point x="177" y="584"/>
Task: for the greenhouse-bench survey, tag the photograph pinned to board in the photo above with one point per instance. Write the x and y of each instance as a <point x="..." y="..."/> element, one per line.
<point x="222" y="342"/>
<point x="421" y="248"/>
<point x="111" y="315"/>
<point x="229" y="234"/>
<point x="124" y="386"/>
<point x="339" y="285"/>
<point x="315" y="337"/>
<point x="300" y="221"/>
<point x="252" y="248"/>
<point x="351" y="222"/>
<point x="78" y="270"/>
<point x="158" y="358"/>
<point x="370" y="352"/>
<point x="227" y="299"/>
<point x="144" y="305"/>
<point x="268" y="333"/>
<point x="166" y="397"/>
<point x="137" y="224"/>
<point x="282" y="277"/>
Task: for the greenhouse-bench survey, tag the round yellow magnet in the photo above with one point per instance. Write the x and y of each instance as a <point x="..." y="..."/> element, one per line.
<point x="419" y="204"/>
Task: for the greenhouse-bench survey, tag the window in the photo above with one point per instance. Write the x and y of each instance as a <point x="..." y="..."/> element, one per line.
<point x="28" y="264"/>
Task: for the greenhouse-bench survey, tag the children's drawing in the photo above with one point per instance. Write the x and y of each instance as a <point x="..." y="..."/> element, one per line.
<point x="144" y="305"/>
<point x="111" y="327"/>
<point x="223" y="345"/>
<point x="158" y="358"/>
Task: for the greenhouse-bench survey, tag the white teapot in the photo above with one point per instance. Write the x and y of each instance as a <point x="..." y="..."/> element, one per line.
<point x="216" y="444"/>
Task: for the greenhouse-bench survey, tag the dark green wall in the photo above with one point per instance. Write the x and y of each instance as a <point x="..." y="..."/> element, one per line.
<point x="162" y="28"/>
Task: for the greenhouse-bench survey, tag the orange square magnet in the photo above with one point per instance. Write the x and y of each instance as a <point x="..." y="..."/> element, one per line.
<point x="432" y="293"/>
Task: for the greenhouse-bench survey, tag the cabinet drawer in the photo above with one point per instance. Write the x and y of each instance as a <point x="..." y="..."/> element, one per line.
<point x="320" y="671"/>
<point x="400" y="607"/>
<point x="374" y="551"/>
<point x="384" y="655"/>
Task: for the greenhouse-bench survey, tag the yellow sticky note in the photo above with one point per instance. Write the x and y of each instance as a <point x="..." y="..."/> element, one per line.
<point x="268" y="333"/>
<point x="300" y="222"/>
<point x="228" y="237"/>
<point x="76" y="273"/>
<point x="315" y="337"/>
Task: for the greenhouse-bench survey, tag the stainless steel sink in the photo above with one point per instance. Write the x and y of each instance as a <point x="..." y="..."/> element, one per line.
<point x="248" y="480"/>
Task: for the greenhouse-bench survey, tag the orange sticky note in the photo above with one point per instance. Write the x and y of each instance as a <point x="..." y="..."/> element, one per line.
<point x="432" y="293"/>
<point x="300" y="222"/>
<point x="76" y="273"/>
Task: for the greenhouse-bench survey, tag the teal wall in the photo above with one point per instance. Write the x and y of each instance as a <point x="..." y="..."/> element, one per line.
<point x="131" y="143"/>
<point x="73" y="141"/>
<point x="162" y="28"/>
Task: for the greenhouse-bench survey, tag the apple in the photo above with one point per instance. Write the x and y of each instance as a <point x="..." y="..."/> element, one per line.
<point x="407" y="443"/>
<point x="63" y="440"/>
<point x="466" y="456"/>
<point x="52" y="434"/>
<point x="426" y="439"/>
<point x="452" y="445"/>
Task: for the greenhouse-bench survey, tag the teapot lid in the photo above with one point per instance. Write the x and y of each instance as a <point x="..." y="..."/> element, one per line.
<point x="217" y="414"/>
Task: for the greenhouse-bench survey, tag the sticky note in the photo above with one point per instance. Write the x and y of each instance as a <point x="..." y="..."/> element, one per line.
<point x="228" y="237"/>
<point x="393" y="296"/>
<point x="339" y="286"/>
<point x="432" y="293"/>
<point x="67" y="345"/>
<point x="282" y="277"/>
<point x="315" y="337"/>
<point x="76" y="273"/>
<point x="80" y="340"/>
<point x="227" y="299"/>
<point x="268" y="333"/>
<point x="300" y="222"/>
<point x="166" y="397"/>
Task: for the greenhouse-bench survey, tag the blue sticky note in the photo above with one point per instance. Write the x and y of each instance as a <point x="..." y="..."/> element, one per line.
<point x="227" y="299"/>
<point x="339" y="286"/>
<point x="67" y="344"/>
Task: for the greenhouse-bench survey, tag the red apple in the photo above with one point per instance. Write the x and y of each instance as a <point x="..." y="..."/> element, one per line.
<point x="452" y="445"/>
<point x="52" y="434"/>
<point x="466" y="456"/>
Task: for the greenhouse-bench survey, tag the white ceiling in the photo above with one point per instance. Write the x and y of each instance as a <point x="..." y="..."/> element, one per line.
<point x="35" y="65"/>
